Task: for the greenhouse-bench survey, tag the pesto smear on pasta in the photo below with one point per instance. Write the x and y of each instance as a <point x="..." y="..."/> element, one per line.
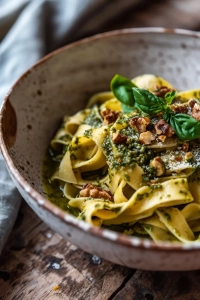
<point x="130" y="160"/>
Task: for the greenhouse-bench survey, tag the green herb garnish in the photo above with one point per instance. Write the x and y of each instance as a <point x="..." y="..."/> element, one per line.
<point x="131" y="97"/>
<point x="185" y="126"/>
<point x="169" y="97"/>
<point x="122" y="89"/>
<point x="148" y="102"/>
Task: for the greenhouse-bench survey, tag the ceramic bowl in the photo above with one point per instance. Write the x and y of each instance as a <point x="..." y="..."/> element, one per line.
<point x="61" y="83"/>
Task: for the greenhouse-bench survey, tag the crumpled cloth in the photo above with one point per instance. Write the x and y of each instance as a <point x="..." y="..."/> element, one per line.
<point x="9" y="204"/>
<point x="29" y="29"/>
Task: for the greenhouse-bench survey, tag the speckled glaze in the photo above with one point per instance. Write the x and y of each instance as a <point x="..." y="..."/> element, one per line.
<point x="60" y="84"/>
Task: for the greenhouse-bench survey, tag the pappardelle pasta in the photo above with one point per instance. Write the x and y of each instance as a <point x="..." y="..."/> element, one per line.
<point x="130" y="160"/>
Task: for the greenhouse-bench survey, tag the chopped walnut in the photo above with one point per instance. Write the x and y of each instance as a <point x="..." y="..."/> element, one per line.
<point x="180" y="108"/>
<point x="196" y="111"/>
<point x="146" y="137"/>
<point x="118" y="138"/>
<point x="170" y="132"/>
<point x="89" y="190"/>
<point x="178" y="158"/>
<point x="189" y="156"/>
<point x="185" y="147"/>
<point x="139" y="123"/>
<point x="84" y="193"/>
<point x="162" y="127"/>
<point x="162" y="90"/>
<point x="110" y="116"/>
<point x="94" y="193"/>
<point x="192" y="102"/>
<point x="159" y="165"/>
<point x="162" y="138"/>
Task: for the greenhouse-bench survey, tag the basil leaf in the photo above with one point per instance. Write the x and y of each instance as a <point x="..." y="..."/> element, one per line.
<point x="169" y="97"/>
<point x="126" y="109"/>
<point x="185" y="126"/>
<point x="122" y="89"/>
<point x="147" y="102"/>
<point x="167" y="114"/>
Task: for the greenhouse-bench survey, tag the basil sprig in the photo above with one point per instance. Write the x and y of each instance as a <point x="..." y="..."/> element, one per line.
<point x="169" y="97"/>
<point x="131" y="97"/>
<point x="148" y="102"/>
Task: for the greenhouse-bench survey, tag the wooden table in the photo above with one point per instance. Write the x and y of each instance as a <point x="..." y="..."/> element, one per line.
<point x="38" y="264"/>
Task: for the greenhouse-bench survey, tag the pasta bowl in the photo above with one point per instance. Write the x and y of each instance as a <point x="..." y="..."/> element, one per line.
<point x="60" y="84"/>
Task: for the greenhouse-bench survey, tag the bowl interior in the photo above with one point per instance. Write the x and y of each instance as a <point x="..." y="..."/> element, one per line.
<point x="61" y="84"/>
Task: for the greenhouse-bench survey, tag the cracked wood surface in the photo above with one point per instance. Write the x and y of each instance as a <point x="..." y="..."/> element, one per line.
<point x="37" y="264"/>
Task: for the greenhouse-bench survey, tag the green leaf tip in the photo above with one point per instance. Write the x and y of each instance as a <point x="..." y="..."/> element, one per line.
<point x="122" y="89"/>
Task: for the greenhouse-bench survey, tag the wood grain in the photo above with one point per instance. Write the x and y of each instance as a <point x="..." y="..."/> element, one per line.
<point x="161" y="286"/>
<point x="36" y="260"/>
<point x="38" y="264"/>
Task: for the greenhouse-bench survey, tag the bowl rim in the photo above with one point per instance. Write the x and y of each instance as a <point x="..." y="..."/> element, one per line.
<point x="102" y="233"/>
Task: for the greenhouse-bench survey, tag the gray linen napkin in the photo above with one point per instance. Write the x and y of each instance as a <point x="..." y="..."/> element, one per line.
<point x="29" y="29"/>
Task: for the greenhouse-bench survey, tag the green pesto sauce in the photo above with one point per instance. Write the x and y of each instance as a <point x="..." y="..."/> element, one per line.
<point x="167" y="216"/>
<point x="123" y="118"/>
<point x="124" y="156"/>
<point x="155" y="187"/>
<point x="94" y="118"/>
<point x="126" y="227"/>
<point x="72" y="156"/>
<point x="148" y="227"/>
<point x="195" y="176"/>
<point x="95" y="175"/>
<point x="142" y="196"/>
<point x="127" y="155"/>
<point x="127" y="177"/>
<point x="88" y="133"/>
<point x="116" y="209"/>
<point x="66" y="138"/>
<point x="53" y="189"/>
<point x="183" y="192"/>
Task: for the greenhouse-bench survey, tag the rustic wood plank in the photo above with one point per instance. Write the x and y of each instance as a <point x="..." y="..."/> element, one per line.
<point x="36" y="260"/>
<point x="44" y="261"/>
<point x="145" y="285"/>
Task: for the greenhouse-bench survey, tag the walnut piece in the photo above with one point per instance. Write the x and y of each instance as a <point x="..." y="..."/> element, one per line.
<point x="90" y="190"/>
<point x="159" y="165"/>
<point x="185" y="147"/>
<point x="189" y="156"/>
<point x="110" y="116"/>
<point x="162" y="127"/>
<point x="139" y="123"/>
<point x="162" y="138"/>
<point x="146" y="137"/>
<point x="162" y="90"/>
<point x="118" y="138"/>
<point x="178" y="158"/>
<point x="191" y="103"/>
<point x="180" y="108"/>
<point x="196" y="111"/>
